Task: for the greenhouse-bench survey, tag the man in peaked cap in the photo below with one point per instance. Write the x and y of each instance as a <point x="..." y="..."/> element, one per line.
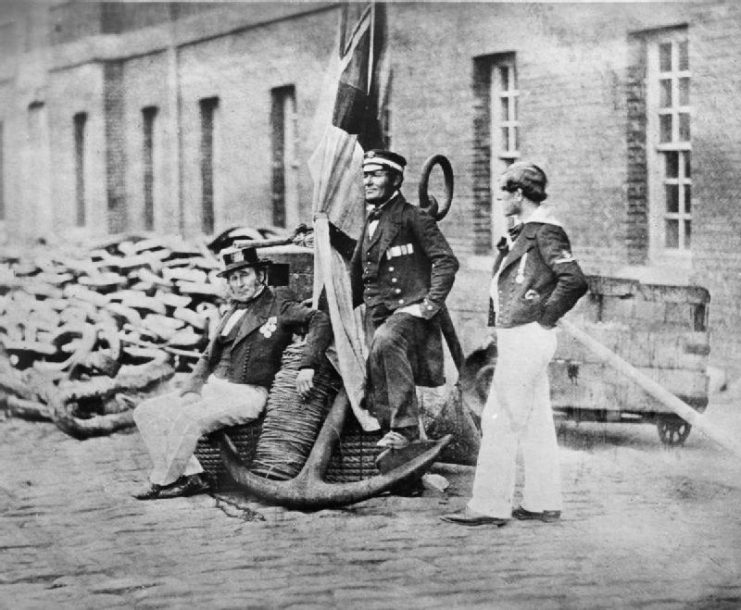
<point x="402" y="269"/>
<point x="230" y="383"/>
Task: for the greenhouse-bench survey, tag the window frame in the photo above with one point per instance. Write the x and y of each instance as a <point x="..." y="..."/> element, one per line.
<point x="150" y="151"/>
<point x="659" y="104"/>
<point x="80" y="126"/>
<point x="503" y="153"/>
<point x="209" y="108"/>
<point x="285" y="189"/>
<point x="510" y="151"/>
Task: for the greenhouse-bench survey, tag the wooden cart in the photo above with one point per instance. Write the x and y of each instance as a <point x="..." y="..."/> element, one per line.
<point x="659" y="329"/>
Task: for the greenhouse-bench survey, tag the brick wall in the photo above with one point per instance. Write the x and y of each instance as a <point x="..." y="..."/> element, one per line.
<point x="115" y="150"/>
<point x="481" y="167"/>
<point x="225" y="67"/>
<point x="637" y="178"/>
<point x="583" y="116"/>
<point x="581" y="74"/>
<point x="78" y="89"/>
<point x="715" y="56"/>
<point x="442" y="106"/>
<point x="147" y="82"/>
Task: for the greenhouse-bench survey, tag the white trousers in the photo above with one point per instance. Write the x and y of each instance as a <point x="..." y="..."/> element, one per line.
<point x="518" y="413"/>
<point x="171" y="425"/>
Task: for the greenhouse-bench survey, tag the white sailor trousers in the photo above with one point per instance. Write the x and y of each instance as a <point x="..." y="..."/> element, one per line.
<point x="170" y="425"/>
<point x="518" y="414"/>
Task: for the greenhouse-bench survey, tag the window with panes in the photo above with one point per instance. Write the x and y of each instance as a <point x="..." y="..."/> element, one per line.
<point x="285" y="162"/>
<point x="505" y="124"/>
<point x="505" y="129"/>
<point x="670" y="158"/>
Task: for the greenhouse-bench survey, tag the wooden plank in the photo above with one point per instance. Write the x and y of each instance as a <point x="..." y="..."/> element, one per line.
<point x="623" y="287"/>
<point x="675" y="404"/>
<point x="649" y="315"/>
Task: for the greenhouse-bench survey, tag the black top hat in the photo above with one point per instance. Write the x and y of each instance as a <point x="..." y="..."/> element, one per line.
<point x="236" y="258"/>
<point x="386" y="158"/>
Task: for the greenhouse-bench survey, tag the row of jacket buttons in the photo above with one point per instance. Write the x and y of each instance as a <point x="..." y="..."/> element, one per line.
<point x="394" y="280"/>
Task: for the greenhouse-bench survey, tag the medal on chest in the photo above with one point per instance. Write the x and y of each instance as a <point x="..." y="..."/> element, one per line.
<point x="269" y="327"/>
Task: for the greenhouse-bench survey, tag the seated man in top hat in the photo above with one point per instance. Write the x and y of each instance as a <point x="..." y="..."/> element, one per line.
<point x="402" y="269"/>
<point x="230" y="383"/>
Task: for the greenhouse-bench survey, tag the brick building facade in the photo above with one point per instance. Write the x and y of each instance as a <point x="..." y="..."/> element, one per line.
<point x="194" y="117"/>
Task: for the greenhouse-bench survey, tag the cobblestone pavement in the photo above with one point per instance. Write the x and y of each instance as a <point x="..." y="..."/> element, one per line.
<point x="643" y="527"/>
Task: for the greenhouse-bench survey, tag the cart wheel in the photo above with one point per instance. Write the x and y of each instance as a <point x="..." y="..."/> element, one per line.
<point x="673" y="430"/>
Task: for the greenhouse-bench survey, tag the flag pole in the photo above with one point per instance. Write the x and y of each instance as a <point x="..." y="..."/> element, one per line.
<point x="371" y="64"/>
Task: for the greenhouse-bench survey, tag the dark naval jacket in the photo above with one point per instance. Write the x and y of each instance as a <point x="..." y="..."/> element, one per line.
<point x="259" y="339"/>
<point x="407" y="260"/>
<point x="539" y="280"/>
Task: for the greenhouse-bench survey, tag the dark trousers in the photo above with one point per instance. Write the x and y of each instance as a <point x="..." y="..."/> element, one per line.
<point x="392" y="362"/>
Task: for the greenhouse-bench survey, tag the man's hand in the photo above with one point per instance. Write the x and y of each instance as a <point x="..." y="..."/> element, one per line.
<point x="305" y="382"/>
<point x="414" y="310"/>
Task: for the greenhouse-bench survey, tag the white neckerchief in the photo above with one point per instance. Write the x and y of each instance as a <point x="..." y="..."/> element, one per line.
<point x="231" y="322"/>
<point x="543" y="213"/>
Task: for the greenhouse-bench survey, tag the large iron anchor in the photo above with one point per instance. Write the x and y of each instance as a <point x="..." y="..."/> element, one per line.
<point x="308" y="490"/>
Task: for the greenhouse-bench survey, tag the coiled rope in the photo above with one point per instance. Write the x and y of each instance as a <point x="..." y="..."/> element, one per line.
<point x="291" y="423"/>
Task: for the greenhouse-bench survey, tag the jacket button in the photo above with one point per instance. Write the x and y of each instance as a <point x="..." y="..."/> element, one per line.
<point x="397" y="290"/>
<point x="391" y="268"/>
<point x="394" y="280"/>
<point x="401" y="301"/>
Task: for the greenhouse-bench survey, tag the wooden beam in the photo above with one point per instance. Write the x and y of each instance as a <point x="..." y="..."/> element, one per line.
<point x="660" y="393"/>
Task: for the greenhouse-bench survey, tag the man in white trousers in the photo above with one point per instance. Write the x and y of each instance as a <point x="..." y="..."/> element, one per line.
<point x="536" y="281"/>
<point x="230" y="383"/>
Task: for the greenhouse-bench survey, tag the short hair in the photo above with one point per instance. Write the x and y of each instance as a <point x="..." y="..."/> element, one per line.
<point x="528" y="177"/>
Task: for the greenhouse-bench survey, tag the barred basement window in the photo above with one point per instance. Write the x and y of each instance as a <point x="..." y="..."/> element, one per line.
<point x="149" y="115"/>
<point x="80" y="122"/>
<point x="670" y="149"/>
<point x="285" y="157"/>
<point x="208" y="107"/>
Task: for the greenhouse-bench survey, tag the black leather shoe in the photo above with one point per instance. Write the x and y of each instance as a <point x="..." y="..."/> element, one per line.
<point x="185" y="486"/>
<point x="150" y="493"/>
<point x="466" y="516"/>
<point x="155" y="491"/>
<point x="546" y="516"/>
